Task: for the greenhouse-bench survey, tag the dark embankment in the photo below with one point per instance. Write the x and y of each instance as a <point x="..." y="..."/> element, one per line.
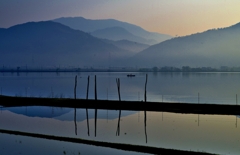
<point x="123" y="105"/>
<point x="126" y="147"/>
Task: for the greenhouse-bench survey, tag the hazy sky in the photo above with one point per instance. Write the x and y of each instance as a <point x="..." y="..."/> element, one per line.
<point x="174" y="17"/>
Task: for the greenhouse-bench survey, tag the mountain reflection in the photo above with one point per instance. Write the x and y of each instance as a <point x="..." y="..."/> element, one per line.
<point x="177" y="131"/>
<point x="65" y="114"/>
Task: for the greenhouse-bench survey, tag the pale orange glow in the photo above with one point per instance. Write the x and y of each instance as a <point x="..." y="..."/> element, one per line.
<point x="174" y="17"/>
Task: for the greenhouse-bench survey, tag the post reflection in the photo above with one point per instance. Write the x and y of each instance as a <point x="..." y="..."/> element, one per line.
<point x="87" y="121"/>
<point x="145" y="124"/>
<point x="198" y="119"/>
<point x="95" y="123"/>
<point x="236" y="121"/>
<point x="176" y="131"/>
<point x="118" y="127"/>
<point x="75" y="120"/>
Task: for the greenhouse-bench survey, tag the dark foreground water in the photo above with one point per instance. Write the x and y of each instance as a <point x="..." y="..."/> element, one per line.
<point x="203" y="133"/>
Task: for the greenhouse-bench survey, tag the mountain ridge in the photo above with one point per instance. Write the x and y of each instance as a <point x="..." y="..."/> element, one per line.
<point x="54" y="44"/>
<point x="128" y="45"/>
<point x="47" y="42"/>
<point x="215" y="47"/>
<point x="90" y="25"/>
<point x="118" y="33"/>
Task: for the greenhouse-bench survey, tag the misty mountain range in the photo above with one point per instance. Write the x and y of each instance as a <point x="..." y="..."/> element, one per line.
<point x="49" y="43"/>
<point x="104" y="28"/>
<point x="103" y="43"/>
<point x="214" y="48"/>
<point x="66" y="114"/>
<point x="116" y="34"/>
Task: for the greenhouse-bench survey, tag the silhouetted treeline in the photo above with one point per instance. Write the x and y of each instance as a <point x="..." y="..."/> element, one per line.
<point x="122" y="69"/>
<point x="190" y="69"/>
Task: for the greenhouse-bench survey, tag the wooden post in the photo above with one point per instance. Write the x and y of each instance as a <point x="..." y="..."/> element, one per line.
<point x="198" y="98"/>
<point x="107" y="93"/>
<point x="26" y="91"/>
<point x="138" y="96"/>
<point x="87" y="108"/>
<point x="95" y="87"/>
<point x="52" y="92"/>
<point x="145" y="113"/>
<point x="118" y="87"/>
<point x="87" y="88"/>
<point x="145" y="94"/>
<point x="119" y="117"/>
<point x="95" y="109"/>
<point x="75" y="87"/>
<point x="236" y="99"/>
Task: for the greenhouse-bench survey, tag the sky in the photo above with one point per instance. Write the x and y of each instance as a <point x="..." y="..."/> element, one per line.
<point x="173" y="17"/>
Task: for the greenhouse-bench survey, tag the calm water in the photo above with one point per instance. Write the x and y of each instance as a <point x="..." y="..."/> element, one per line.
<point x="208" y="133"/>
<point x="219" y="88"/>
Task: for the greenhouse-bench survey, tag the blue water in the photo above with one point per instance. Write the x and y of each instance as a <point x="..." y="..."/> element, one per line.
<point x="218" y="88"/>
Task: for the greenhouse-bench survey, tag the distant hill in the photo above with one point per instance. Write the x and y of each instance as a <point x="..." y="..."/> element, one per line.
<point x="128" y="45"/>
<point x="214" y="48"/>
<point x="49" y="43"/>
<point x="89" y="25"/>
<point x="116" y="34"/>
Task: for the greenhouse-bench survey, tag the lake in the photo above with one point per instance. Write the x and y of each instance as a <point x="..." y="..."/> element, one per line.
<point x="218" y="88"/>
<point x="202" y="133"/>
<point x="218" y="134"/>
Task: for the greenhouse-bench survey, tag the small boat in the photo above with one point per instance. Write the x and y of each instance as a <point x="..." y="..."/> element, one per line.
<point x="130" y="75"/>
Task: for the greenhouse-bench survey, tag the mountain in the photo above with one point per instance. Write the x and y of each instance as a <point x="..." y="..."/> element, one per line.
<point x="213" y="48"/>
<point x="50" y="43"/>
<point x="116" y="34"/>
<point x="88" y="25"/>
<point x="128" y="45"/>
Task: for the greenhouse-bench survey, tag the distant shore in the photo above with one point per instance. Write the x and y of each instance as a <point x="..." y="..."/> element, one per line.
<point x="120" y="69"/>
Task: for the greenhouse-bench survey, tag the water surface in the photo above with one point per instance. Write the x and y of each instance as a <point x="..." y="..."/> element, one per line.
<point x="208" y="133"/>
<point x="218" y="88"/>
